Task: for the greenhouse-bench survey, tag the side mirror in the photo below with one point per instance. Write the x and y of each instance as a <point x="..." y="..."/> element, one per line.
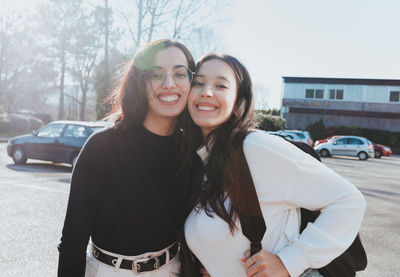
<point x="34" y="132"/>
<point x="334" y="143"/>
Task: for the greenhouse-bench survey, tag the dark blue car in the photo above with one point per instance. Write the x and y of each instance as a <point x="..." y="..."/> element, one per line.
<point x="59" y="141"/>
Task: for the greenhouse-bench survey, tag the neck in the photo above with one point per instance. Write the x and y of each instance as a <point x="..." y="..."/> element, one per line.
<point x="163" y="126"/>
<point x="205" y="132"/>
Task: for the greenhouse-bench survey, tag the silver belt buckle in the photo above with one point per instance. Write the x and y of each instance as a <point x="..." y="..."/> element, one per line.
<point x="157" y="264"/>
<point x="136" y="265"/>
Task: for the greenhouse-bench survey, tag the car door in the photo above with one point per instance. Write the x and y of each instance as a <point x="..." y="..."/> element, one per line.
<point x="354" y="146"/>
<point x="72" y="141"/>
<point x="339" y="147"/>
<point x="46" y="142"/>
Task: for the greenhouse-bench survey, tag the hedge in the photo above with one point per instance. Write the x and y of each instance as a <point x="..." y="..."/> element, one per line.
<point x="319" y="131"/>
<point x="269" y="122"/>
<point x="19" y="123"/>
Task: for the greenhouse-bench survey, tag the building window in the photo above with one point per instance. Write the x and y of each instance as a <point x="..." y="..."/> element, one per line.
<point x="336" y="94"/>
<point x="314" y="93"/>
<point x="394" y="96"/>
<point x="309" y="93"/>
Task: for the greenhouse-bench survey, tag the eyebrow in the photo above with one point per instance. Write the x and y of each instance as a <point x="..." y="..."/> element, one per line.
<point x="218" y="77"/>
<point x="175" y="66"/>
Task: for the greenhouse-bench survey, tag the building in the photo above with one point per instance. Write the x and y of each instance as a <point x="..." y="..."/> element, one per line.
<point x="367" y="103"/>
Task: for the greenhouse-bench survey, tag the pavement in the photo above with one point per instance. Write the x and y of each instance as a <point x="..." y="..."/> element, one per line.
<point x="33" y="200"/>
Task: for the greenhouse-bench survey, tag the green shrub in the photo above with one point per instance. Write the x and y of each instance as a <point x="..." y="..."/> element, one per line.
<point x="5" y="123"/>
<point x="269" y="122"/>
<point x="19" y="123"/>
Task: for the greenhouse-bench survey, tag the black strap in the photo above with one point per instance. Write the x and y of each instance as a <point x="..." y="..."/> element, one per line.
<point x="248" y="207"/>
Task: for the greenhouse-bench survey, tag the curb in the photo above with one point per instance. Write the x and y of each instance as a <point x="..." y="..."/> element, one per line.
<point x="3" y="140"/>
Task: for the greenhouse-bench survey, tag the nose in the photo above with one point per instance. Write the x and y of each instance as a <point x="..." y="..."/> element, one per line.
<point x="169" y="81"/>
<point x="207" y="92"/>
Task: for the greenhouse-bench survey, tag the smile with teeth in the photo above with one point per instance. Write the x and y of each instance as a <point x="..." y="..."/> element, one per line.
<point x="169" y="98"/>
<point x="206" y="108"/>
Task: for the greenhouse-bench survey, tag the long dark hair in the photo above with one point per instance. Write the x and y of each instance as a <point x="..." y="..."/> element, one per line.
<point x="129" y="102"/>
<point x="223" y="143"/>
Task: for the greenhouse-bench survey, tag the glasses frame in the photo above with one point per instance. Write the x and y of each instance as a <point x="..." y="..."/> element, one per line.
<point x="191" y="74"/>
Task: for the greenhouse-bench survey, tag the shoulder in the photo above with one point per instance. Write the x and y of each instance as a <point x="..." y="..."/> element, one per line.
<point x="97" y="145"/>
<point x="99" y="138"/>
<point x="264" y="145"/>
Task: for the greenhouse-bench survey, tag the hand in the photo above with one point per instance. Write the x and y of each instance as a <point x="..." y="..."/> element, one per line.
<point x="204" y="272"/>
<point x="264" y="264"/>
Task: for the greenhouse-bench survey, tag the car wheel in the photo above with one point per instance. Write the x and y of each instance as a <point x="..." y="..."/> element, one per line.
<point x="19" y="155"/>
<point x="362" y="156"/>
<point x="324" y="153"/>
<point x="378" y="154"/>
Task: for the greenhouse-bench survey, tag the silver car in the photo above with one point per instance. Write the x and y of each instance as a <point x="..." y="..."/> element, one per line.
<point x="303" y="136"/>
<point x="347" y="146"/>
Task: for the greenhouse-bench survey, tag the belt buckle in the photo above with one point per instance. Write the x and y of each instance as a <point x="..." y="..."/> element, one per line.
<point x="157" y="264"/>
<point x="136" y="264"/>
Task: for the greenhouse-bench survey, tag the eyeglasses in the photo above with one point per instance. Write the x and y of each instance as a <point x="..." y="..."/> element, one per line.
<point x="180" y="75"/>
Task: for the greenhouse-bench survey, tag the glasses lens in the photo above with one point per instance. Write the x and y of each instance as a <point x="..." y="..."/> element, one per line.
<point x="181" y="74"/>
<point x="157" y="75"/>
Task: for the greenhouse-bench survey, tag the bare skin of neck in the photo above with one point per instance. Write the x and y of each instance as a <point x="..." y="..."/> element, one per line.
<point x="162" y="126"/>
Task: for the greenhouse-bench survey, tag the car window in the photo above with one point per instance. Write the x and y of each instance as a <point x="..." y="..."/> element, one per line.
<point x="95" y="129"/>
<point x="75" y="131"/>
<point x="341" y="141"/>
<point x="51" y="131"/>
<point x="355" y="141"/>
<point x="300" y="135"/>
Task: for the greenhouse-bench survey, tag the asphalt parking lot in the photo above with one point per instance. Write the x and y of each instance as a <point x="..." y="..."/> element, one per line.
<point x="33" y="199"/>
<point x="379" y="181"/>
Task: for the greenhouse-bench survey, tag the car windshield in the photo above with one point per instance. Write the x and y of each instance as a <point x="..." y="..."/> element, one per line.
<point x="97" y="128"/>
<point x="300" y="135"/>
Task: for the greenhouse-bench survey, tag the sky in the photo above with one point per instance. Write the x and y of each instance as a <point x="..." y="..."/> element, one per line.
<point x="307" y="38"/>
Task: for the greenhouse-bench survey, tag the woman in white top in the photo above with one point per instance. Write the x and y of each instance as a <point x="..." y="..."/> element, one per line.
<point x="285" y="179"/>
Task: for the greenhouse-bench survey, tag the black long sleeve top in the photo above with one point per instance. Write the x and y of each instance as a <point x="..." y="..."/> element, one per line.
<point x="125" y="195"/>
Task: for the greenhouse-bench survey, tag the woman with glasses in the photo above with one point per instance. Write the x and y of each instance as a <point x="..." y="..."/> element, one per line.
<point x="126" y="191"/>
<point x="285" y="179"/>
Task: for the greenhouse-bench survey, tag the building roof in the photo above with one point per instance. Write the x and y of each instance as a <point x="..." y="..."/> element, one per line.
<point x="342" y="81"/>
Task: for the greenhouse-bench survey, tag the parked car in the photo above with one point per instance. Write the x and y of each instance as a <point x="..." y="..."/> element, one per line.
<point x="346" y="146"/>
<point x="304" y="136"/>
<point x="382" y="150"/>
<point x="287" y="136"/>
<point x="324" y="140"/>
<point x="59" y="141"/>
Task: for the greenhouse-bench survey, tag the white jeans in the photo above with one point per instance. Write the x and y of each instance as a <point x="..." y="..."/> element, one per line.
<point x="95" y="268"/>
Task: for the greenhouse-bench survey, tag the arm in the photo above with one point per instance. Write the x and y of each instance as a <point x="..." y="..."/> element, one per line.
<point x="85" y="189"/>
<point x="342" y="208"/>
<point x="285" y="175"/>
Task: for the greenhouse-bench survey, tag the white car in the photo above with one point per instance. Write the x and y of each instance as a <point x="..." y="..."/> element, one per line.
<point x="303" y="136"/>
<point x="347" y="146"/>
<point x="287" y="136"/>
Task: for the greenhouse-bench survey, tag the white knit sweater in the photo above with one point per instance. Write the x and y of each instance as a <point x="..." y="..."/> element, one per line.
<point x="286" y="179"/>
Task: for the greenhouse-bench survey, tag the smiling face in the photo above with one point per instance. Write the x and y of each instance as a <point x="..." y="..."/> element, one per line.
<point x="213" y="95"/>
<point x="167" y="97"/>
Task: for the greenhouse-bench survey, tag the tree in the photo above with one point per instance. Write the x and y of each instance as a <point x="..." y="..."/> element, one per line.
<point x="182" y="20"/>
<point x="25" y="77"/>
<point x="85" y="50"/>
<point x="11" y="64"/>
<point x="59" y="21"/>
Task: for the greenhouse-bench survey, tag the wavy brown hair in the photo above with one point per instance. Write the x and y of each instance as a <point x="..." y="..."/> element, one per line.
<point x="129" y="102"/>
<point x="224" y="142"/>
